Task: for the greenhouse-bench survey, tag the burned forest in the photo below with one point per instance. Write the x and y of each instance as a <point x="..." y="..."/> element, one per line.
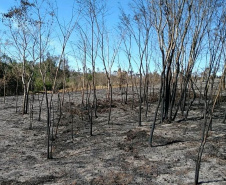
<point x="89" y="98"/>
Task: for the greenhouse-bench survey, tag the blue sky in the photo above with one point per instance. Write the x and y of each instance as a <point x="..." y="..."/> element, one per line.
<point x="112" y="22"/>
<point x="5" y="5"/>
<point x="64" y="11"/>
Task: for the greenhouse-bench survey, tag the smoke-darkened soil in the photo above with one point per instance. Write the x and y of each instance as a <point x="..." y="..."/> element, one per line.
<point x="117" y="153"/>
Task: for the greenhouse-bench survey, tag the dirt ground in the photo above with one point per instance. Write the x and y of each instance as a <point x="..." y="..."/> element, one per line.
<point x="117" y="153"/>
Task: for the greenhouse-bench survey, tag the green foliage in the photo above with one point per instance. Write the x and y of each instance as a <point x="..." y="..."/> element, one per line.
<point x="89" y="77"/>
<point x="9" y="76"/>
<point x="49" y="85"/>
<point x="38" y="85"/>
<point x="11" y="72"/>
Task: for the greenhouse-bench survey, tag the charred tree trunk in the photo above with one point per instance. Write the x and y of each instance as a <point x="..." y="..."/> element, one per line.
<point x="52" y="121"/>
<point x="140" y="98"/>
<point x="31" y="110"/>
<point x="83" y="87"/>
<point x="224" y="116"/>
<point x="162" y="94"/>
<point x="4" y="88"/>
<point x="110" y="105"/>
<point x="174" y="92"/>
<point x="192" y="101"/>
<point x="90" y="111"/>
<point x="40" y="106"/>
<point x="147" y="98"/>
<point x="133" y="93"/>
<point x="87" y="95"/>
<point x="24" y="99"/>
<point x="167" y="93"/>
<point x="126" y="91"/>
<point x="60" y="114"/>
<point x="16" y="94"/>
<point x="71" y="116"/>
<point x="27" y="102"/>
<point x="49" y="150"/>
<point x="200" y="152"/>
<point x="155" y="117"/>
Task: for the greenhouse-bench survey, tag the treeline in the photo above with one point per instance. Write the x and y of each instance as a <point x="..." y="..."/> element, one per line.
<point x="10" y="83"/>
<point x="11" y="77"/>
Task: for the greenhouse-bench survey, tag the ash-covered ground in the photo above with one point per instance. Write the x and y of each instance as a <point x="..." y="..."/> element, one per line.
<point x="117" y="153"/>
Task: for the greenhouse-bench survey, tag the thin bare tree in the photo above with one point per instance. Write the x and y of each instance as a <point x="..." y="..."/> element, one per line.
<point x="216" y="47"/>
<point x="140" y="28"/>
<point x="19" y="21"/>
<point x="179" y="22"/>
<point x="108" y="58"/>
<point x="92" y="10"/>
